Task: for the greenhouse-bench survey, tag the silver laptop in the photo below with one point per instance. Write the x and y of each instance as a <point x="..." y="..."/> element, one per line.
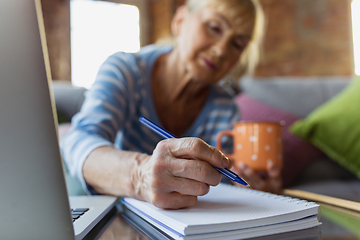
<point x="33" y="199"/>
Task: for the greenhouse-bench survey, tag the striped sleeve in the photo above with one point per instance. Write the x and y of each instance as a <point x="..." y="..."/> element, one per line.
<point x="102" y="115"/>
<point x="221" y="115"/>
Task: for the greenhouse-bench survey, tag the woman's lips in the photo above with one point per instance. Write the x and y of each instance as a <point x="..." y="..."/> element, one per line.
<point x="209" y="64"/>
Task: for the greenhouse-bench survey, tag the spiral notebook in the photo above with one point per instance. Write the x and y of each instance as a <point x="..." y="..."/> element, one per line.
<point x="228" y="212"/>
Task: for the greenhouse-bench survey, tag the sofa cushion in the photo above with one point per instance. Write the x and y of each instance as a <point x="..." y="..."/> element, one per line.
<point x="298" y="154"/>
<point x="296" y="95"/>
<point x="334" y="127"/>
<point x="63" y="128"/>
<point x="68" y="99"/>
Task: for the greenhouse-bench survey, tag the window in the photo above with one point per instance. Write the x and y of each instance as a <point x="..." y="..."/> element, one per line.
<point x="99" y="29"/>
<point x="355" y="9"/>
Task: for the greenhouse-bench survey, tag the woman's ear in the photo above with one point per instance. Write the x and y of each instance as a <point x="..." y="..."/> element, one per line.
<point x="178" y="20"/>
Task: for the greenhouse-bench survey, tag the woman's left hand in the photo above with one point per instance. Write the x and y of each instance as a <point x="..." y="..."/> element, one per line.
<point x="269" y="182"/>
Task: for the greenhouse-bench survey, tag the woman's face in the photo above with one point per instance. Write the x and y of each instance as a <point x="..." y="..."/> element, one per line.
<point x="210" y="43"/>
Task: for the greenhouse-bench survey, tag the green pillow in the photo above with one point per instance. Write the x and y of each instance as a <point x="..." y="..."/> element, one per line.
<point x="334" y="127"/>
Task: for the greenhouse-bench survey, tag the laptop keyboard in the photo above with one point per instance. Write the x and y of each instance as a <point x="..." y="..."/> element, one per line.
<point x="77" y="213"/>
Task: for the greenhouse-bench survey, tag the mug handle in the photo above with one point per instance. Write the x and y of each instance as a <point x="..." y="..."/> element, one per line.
<point x="218" y="141"/>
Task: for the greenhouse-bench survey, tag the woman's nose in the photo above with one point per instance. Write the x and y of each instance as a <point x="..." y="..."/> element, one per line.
<point x="221" y="47"/>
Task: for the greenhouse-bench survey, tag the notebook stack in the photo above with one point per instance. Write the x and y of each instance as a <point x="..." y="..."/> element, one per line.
<point x="226" y="212"/>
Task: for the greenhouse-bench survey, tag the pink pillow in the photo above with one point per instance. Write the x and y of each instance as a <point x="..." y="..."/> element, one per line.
<point x="63" y="129"/>
<point x="298" y="154"/>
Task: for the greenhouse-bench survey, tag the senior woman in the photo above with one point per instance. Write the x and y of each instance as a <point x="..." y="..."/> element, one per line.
<point x="175" y="86"/>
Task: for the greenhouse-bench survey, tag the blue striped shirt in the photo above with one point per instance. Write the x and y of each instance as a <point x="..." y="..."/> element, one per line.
<point x="119" y="96"/>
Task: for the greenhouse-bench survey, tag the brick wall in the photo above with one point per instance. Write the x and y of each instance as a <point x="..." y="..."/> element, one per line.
<point x="57" y="27"/>
<point x="161" y="12"/>
<point x="307" y="38"/>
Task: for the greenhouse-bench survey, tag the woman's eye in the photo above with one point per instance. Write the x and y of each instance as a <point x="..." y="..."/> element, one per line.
<point x="214" y="27"/>
<point x="240" y="44"/>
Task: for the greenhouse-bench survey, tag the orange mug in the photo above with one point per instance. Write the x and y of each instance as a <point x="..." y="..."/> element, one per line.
<point x="255" y="143"/>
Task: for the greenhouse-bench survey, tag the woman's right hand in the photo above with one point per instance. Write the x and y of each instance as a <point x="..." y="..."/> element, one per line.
<point x="178" y="171"/>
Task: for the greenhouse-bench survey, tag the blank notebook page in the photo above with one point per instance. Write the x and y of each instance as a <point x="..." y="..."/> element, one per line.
<point x="227" y="207"/>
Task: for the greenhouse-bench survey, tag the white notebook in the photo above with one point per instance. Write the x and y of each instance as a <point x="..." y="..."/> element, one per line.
<point x="229" y="212"/>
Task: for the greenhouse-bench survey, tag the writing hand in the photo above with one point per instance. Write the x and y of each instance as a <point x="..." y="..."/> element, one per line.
<point x="178" y="171"/>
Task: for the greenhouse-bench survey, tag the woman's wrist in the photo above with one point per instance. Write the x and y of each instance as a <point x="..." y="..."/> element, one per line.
<point x="137" y="176"/>
<point x="109" y="171"/>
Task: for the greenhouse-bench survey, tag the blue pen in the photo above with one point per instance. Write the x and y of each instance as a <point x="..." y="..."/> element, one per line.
<point x="224" y="171"/>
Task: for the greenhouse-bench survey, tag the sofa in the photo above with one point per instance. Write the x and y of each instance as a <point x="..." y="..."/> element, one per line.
<point x="271" y="99"/>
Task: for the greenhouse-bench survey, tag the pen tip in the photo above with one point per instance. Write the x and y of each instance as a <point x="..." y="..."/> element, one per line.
<point x="248" y="185"/>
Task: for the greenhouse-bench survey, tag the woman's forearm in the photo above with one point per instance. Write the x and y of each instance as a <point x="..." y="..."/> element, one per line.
<point x="114" y="172"/>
